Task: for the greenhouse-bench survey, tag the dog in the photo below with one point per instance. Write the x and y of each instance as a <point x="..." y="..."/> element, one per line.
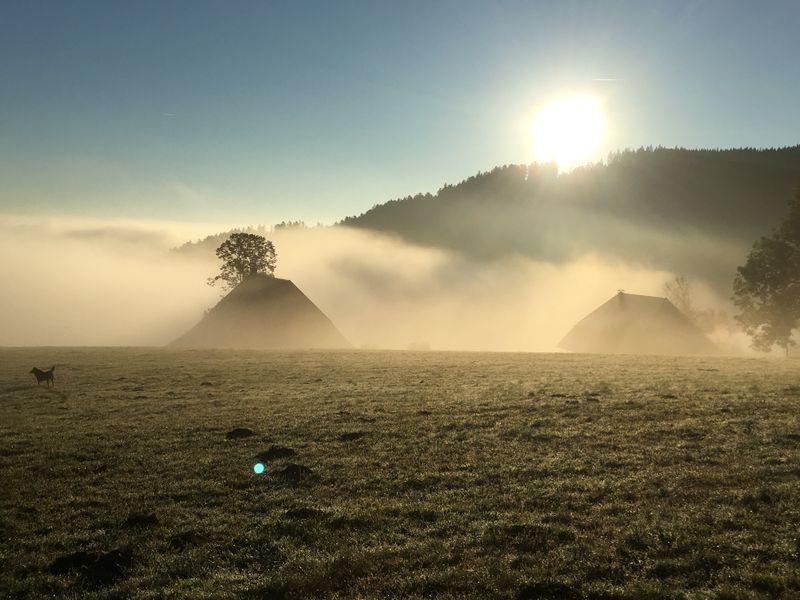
<point x="46" y="376"/>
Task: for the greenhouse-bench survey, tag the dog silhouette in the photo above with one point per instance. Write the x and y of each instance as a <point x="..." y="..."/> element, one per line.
<point x="46" y="376"/>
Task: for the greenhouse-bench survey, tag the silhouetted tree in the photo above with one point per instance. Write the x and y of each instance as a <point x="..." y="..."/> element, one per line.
<point x="679" y="292"/>
<point x="767" y="288"/>
<point x="290" y="225"/>
<point x="243" y="255"/>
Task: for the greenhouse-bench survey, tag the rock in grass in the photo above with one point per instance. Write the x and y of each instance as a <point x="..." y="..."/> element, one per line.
<point x="98" y="568"/>
<point x="239" y="433"/>
<point x="137" y="519"/>
<point x="274" y="452"/>
<point x="294" y="472"/>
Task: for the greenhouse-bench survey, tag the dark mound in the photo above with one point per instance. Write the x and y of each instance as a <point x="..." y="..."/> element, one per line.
<point x="293" y="472"/>
<point x="239" y="433"/>
<point x="72" y="562"/>
<point x="423" y="516"/>
<point x="548" y="591"/>
<point x="304" y="512"/>
<point x="264" y="312"/>
<point x="351" y="436"/>
<point x="97" y="568"/>
<point x="275" y="452"/>
<point x="137" y="519"/>
<point x="186" y="539"/>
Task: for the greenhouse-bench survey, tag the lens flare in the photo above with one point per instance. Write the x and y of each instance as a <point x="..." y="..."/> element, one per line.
<point x="258" y="468"/>
<point x="567" y="131"/>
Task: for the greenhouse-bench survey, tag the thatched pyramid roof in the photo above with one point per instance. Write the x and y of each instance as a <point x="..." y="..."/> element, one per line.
<point x="634" y="324"/>
<point x="264" y="312"/>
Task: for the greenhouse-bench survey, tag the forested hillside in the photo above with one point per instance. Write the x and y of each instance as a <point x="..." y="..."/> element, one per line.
<point x="690" y="211"/>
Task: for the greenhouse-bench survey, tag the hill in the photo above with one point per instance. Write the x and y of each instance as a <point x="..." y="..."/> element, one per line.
<point x="264" y="312"/>
<point x="687" y="211"/>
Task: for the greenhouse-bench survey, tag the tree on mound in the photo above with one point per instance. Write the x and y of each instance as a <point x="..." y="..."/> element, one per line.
<point x="243" y="255"/>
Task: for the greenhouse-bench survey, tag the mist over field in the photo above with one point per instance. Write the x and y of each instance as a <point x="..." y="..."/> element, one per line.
<point x="509" y="259"/>
<point x="383" y="292"/>
<point x="117" y="283"/>
<point x="97" y="282"/>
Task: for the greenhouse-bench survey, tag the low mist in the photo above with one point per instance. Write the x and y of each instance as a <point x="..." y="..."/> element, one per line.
<point x="111" y="283"/>
<point x="382" y="292"/>
<point x="118" y="284"/>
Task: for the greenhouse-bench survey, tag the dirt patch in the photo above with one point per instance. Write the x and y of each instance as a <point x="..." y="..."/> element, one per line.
<point x="99" y="569"/>
<point x="304" y="512"/>
<point x="423" y="516"/>
<point x="351" y="436"/>
<point x="138" y="519"/>
<point x="294" y="472"/>
<point x="274" y="453"/>
<point x="186" y="539"/>
<point x="238" y="433"/>
<point x="548" y="591"/>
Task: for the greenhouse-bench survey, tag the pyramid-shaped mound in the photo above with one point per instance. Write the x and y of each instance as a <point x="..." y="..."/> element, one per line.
<point x="634" y="324"/>
<point x="264" y="312"/>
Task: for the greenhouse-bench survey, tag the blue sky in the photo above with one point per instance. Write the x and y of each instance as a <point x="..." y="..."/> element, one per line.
<point x="256" y="112"/>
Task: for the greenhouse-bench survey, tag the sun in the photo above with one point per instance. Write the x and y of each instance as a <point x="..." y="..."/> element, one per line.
<point x="567" y="131"/>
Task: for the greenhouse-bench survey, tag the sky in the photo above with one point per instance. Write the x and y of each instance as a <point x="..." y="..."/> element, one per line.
<point x="257" y="112"/>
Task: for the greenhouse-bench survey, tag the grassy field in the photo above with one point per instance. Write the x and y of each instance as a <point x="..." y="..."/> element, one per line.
<point x="455" y="475"/>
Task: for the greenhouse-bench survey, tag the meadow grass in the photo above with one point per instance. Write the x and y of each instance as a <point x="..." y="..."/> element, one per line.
<point x="455" y="475"/>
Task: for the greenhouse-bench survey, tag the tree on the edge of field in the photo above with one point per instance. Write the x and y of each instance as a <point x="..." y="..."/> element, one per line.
<point x="243" y="255"/>
<point x="767" y="288"/>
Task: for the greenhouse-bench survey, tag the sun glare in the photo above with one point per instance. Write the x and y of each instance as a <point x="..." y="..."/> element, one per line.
<point x="567" y="132"/>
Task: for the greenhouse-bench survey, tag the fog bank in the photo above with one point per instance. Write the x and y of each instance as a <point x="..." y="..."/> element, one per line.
<point x="96" y="283"/>
<point x="117" y="284"/>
